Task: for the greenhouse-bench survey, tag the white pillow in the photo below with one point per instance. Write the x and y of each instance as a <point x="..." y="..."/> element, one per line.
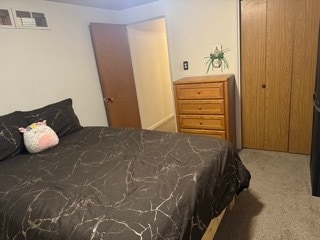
<point x="38" y="137"/>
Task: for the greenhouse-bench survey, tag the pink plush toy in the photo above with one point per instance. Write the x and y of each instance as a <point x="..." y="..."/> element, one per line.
<point x="39" y="137"/>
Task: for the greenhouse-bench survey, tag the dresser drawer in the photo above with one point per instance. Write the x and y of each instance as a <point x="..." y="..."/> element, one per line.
<point x="202" y="121"/>
<point x="214" y="133"/>
<point x="201" y="106"/>
<point x="200" y="91"/>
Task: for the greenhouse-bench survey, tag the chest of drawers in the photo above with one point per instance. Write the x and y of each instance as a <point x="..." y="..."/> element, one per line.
<point x="205" y="105"/>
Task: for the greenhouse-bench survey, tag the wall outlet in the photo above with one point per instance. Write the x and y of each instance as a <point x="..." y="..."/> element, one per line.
<point x="185" y="65"/>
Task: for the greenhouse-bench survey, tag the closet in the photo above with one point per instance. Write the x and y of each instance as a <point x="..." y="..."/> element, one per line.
<point x="278" y="66"/>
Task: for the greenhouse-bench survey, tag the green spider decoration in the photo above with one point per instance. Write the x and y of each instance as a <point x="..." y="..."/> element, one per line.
<point x="217" y="59"/>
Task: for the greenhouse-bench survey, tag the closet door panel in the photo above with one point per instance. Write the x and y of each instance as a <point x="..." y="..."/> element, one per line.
<point x="253" y="45"/>
<point x="303" y="74"/>
<point x="279" y="51"/>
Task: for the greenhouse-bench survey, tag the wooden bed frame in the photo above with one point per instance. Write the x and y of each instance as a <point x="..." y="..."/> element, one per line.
<point x="214" y="224"/>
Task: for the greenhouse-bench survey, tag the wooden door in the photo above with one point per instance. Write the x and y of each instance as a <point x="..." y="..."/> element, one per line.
<point x="112" y="52"/>
<point x="278" y="48"/>
<point x="279" y="52"/>
<point x="253" y="55"/>
<point x="266" y="72"/>
<point x="303" y="75"/>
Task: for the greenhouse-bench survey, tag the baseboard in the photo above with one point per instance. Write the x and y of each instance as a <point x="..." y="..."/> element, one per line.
<point x="154" y="126"/>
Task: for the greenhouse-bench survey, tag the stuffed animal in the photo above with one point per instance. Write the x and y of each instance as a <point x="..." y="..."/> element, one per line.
<point x="39" y="137"/>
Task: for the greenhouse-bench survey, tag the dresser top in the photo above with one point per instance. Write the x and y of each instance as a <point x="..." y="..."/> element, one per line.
<point x="204" y="79"/>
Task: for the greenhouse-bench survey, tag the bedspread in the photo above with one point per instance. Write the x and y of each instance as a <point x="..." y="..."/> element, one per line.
<point x="108" y="183"/>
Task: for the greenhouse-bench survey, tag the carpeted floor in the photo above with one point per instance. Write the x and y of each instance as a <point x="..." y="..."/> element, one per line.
<point x="278" y="205"/>
<point x="168" y="126"/>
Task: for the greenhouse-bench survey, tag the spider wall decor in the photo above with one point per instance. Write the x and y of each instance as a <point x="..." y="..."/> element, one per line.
<point x="217" y="59"/>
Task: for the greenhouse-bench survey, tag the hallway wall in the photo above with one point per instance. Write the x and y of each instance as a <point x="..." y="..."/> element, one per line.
<point x="149" y="53"/>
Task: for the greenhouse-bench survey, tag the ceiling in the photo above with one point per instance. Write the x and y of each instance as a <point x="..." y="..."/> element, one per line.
<point x="106" y="4"/>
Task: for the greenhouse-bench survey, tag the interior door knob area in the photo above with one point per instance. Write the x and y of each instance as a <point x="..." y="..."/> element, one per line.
<point x="108" y="99"/>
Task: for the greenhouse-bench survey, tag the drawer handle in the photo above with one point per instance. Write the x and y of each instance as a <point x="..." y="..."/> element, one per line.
<point x="200" y="108"/>
<point x="199" y="92"/>
<point x="200" y="123"/>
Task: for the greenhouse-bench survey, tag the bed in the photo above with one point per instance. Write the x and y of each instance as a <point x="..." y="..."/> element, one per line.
<point x="113" y="183"/>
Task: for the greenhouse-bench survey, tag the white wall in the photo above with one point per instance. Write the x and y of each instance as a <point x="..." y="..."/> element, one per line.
<point x="39" y="67"/>
<point x="193" y="26"/>
<point x="149" y="53"/>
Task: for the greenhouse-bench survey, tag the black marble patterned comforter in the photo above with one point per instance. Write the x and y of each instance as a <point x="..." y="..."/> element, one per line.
<point x="104" y="183"/>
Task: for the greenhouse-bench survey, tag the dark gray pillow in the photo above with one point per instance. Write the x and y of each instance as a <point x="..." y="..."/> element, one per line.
<point x="11" y="141"/>
<point x="60" y="117"/>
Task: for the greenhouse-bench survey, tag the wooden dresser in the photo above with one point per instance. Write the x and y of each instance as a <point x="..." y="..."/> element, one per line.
<point x="205" y="105"/>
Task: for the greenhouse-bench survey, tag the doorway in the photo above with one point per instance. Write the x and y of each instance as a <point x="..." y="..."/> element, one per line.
<point x="150" y="61"/>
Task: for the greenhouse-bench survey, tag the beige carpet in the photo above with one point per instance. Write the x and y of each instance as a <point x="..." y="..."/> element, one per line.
<point x="278" y="204"/>
<point x="168" y="126"/>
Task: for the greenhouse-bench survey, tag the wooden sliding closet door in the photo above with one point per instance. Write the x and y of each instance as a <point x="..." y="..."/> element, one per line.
<point x="253" y="41"/>
<point x="303" y="74"/>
